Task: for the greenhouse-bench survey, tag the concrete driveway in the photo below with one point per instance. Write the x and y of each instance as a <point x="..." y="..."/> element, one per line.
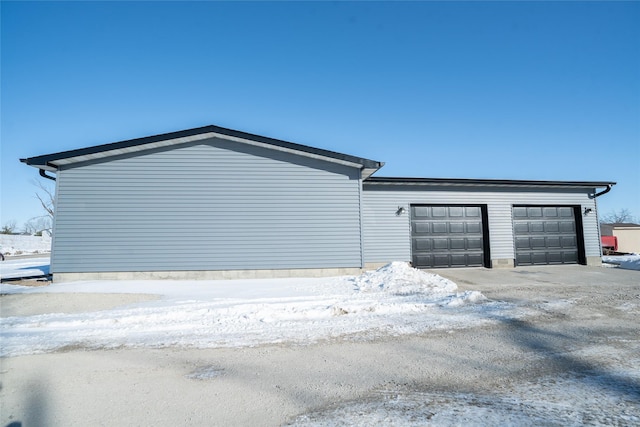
<point x="538" y="281"/>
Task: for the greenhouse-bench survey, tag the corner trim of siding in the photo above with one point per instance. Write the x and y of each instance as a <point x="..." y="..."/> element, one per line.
<point x="360" y="221"/>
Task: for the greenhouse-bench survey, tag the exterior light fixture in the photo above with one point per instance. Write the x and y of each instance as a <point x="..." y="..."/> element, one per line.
<point x="587" y="210"/>
<point x="400" y="211"/>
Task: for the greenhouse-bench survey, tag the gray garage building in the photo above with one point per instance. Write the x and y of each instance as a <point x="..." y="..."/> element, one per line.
<point x="212" y="202"/>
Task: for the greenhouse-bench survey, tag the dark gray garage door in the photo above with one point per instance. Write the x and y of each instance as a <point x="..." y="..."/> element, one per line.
<point x="447" y="236"/>
<point x="545" y="235"/>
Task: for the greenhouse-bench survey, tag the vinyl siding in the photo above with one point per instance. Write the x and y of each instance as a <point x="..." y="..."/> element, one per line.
<point x="387" y="237"/>
<point x="213" y="205"/>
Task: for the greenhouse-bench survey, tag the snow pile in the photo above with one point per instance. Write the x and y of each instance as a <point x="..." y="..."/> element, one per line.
<point x="18" y="244"/>
<point x="398" y="278"/>
<point x="628" y="262"/>
<point x="394" y="300"/>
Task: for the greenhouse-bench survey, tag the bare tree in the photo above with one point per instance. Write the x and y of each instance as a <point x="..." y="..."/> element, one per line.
<point x="37" y="225"/>
<point x="47" y="200"/>
<point x="9" y="227"/>
<point x="617" y="217"/>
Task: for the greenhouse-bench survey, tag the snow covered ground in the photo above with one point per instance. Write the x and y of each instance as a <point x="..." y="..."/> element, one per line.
<point x="628" y="262"/>
<point x="394" y="300"/>
<point x="18" y="244"/>
<point x="25" y="267"/>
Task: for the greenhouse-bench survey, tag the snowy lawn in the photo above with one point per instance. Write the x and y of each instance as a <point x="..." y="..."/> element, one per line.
<point x="11" y="244"/>
<point x="395" y="300"/>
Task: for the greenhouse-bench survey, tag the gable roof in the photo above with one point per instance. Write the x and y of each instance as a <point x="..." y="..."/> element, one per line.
<point x="52" y="162"/>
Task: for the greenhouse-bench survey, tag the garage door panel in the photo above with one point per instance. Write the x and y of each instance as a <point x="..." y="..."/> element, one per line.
<point x="456" y="227"/>
<point x="534" y="212"/>
<point x="422" y="244"/>
<point x="524" y="259"/>
<point x="539" y="258"/>
<point x="536" y="227"/>
<point x="555" y="257"/>
<point x="475" y="260"/>
<point x="421" y="227"/>
<point x="441" y="260"/>
<point x="457" y="244"/>
<point x="551" y="227"/>
<point x="569" y="242"/>
<point x="472" y="212"/>
<point x="440" y="227"/>
<point x="565" y="212"/>
<point x="521" y="228"/>
<point x="440" y="244"/>
<point x="538" y="242"/>
<point x="458" y="260"/>
<point x="423" y="259"/>
<point x="553" y="242"/>
<point x="545" y="235"/>
<point x="454" y="233"/>
<point x="420" y="212"/>
<point x="473" y="227"/>
<point x="567" y="227"/>
<point x="474" y="243"/>
<point x="438" y="212"/>
<point x="456" y="211"/>
<point x="520" y="212"/>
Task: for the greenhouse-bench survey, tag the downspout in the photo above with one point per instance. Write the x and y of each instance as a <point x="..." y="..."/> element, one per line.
<point x="360" y="219"/>
<point x="605" y="191"/>
<point x="44" y="175"/>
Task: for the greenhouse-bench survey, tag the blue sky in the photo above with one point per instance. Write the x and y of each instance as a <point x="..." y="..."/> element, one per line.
<point x="509" y="90"/>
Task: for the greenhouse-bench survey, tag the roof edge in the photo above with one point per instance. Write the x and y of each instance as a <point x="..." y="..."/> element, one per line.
<point x="621" y="224"/>
<point x="47" y="159"/>
<point x="489" y="182"/>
